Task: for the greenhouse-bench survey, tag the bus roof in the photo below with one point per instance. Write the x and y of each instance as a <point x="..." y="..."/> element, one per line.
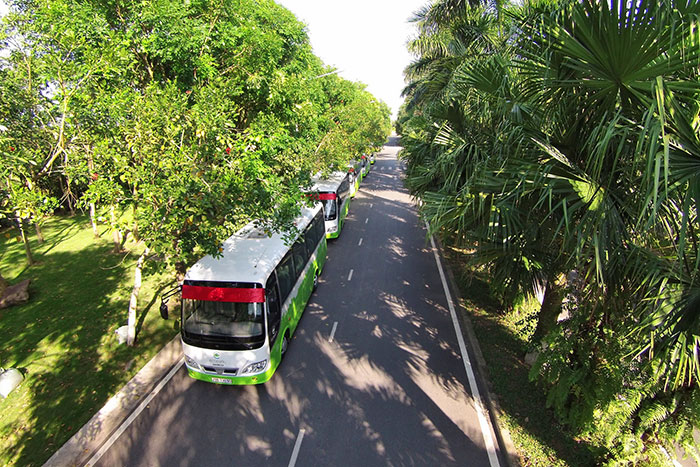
<point x="330" y="183"/>
<point x="249" y="255"/>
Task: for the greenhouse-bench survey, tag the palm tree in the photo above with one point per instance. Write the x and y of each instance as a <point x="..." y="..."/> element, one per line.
<point x="573" y="145"/>
<point x="601" y="80"/>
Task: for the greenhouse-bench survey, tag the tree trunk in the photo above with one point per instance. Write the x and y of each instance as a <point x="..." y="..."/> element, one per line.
<point x="124" y="237"/>
<point x="116" y="234"/>
<point x="93" y="221"/>
<point x="135" y="224"/>
<point x="91" y="168"/>
<point x="131" y="323"/>
<point x="68" y="193"/>
<point x="3" y="284"/>
<point x="550" y="309"/>
<point x="25" y="240"/>
<point x="39" y="235"/>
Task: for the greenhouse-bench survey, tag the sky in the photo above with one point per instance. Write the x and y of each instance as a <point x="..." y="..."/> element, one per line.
<point x="365" y="39"/>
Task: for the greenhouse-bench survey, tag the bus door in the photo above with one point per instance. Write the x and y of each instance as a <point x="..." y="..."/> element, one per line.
<point x="272" y="308"/>
<point x="352" y="178"/>
<point x="358" y="173"/>
<point x="330" y="213"/>
<point x="365" y="166"/>
<point x="341" y="211"/>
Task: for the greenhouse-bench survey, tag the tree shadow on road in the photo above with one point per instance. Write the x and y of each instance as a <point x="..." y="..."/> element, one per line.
<point x="389" y="389"/>
<point x="393" y="142"/>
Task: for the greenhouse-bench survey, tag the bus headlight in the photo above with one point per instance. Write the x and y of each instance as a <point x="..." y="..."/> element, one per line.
<point x="191" y="363"/>
<point x="256" y="367"/>
<point x="333" y="229"/>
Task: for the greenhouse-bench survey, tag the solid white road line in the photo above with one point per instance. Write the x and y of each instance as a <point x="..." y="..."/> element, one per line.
<point x="359" y="243"/>
<point x="122" y="428"/>
<point x="350" y="275"/>
<point x="335" y="326"/>
<point x="478" y="405"/>
<point x="297" y="446"/>
<point x="366" y="220"/>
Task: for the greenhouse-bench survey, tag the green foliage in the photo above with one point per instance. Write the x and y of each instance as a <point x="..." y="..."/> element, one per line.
<point x="538" y="141"/>
<point x="621" y="407"/>
<point x="196" y="116"/>
<point x="541" y="439"/>
<point x="354" y="120"/>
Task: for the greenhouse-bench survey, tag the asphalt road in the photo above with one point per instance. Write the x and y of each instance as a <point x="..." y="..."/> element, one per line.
<point x="373" y="376"/>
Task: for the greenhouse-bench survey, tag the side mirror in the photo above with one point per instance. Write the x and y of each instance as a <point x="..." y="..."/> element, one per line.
<point x="164" y="300"/>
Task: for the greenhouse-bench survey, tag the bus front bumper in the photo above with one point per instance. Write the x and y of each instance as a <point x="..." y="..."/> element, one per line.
<point x="231" y="380"/>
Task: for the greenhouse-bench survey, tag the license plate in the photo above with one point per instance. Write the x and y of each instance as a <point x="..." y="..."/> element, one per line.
<point x="221" y="380"/>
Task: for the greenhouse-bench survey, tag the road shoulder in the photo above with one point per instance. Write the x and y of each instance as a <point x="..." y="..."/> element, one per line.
<point x="504" y="440"/>
<point x="78" y="449"/>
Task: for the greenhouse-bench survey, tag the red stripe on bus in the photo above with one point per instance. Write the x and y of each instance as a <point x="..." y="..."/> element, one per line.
<point x="321" y="196"/>
<point x="223" y="294"/>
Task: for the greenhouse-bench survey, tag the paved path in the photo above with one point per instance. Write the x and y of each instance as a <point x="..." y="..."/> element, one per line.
<point x="374" y="375"/>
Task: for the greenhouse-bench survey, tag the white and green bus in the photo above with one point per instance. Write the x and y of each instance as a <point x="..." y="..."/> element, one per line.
<point x="240" y="310"/>
<point x="355" y="176"/>
<point x="334" y="193"/>
<point x="366" y="166"/>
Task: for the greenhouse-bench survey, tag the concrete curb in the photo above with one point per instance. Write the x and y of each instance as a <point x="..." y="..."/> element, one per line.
<point x="504" y="440"/>
<point x="79" y="449"/>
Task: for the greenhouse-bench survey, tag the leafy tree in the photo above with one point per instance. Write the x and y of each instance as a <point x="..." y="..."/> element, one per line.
<point x="52" y="55"/>
<point x="354" y="123"/>
<point x="193" y="118"/>
<point x="22" y="142"/>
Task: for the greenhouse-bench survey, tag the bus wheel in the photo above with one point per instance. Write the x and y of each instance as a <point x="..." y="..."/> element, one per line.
<point x="285" y="343"/>
<point x="315" y="280"/>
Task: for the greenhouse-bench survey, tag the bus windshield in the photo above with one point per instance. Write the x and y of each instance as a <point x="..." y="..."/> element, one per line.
<point x="330" y="209"/>
<point x="240" y="321"/>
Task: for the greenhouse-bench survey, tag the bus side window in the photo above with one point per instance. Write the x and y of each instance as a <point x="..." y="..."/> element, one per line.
<point x="344" y="187"/>
<point x="273" y="308"/>
<point x="313" y="230"/>
<point x="310" y="240"/>
<point x="300" y="257"/>
<point x="320" y="227"/>
<point x="285" y="276"/>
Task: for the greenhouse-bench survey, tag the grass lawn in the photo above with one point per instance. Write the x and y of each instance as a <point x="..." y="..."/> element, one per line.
<point x="539" y="439"/>
<point x="63" y="339"/>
